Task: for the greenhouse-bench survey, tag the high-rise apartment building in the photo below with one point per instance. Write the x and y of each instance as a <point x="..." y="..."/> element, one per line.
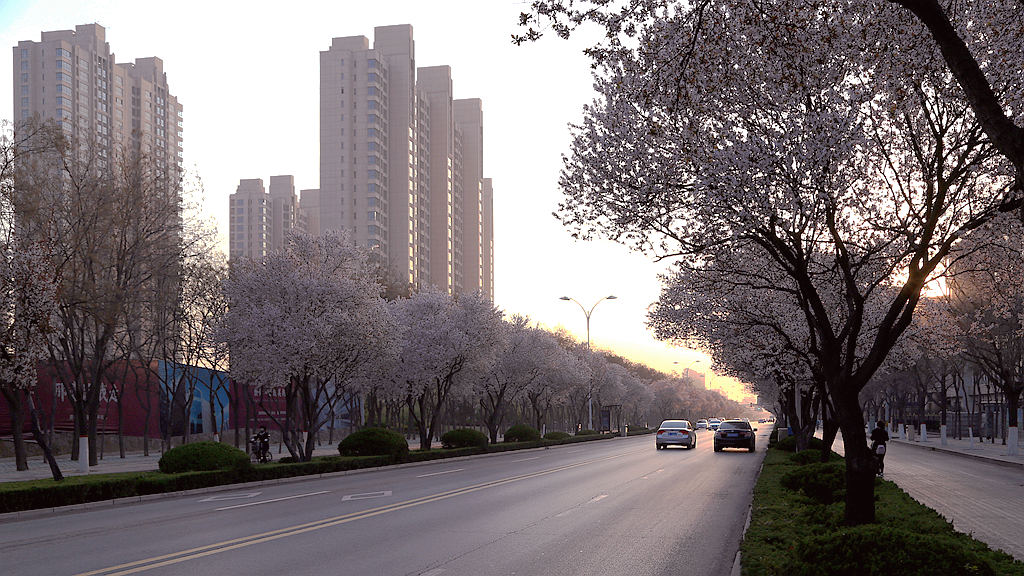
<point x="259" y="220"/>
<point x="469" y="118"/>
<point x="108" y="109"/>
<point x="392" y="162"/>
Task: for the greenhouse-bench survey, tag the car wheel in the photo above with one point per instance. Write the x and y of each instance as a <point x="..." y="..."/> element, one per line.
<point x="717" y="447"/>
<point x="659" y="446"/>
<point x="751" y="446"/>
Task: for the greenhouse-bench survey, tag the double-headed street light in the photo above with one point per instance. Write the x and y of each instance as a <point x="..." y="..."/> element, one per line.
<point x="587" y="313"/>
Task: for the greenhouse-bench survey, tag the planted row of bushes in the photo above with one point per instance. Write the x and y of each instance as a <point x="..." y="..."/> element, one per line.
<point x="206" y="464"/>
<point x="797" y="528"/>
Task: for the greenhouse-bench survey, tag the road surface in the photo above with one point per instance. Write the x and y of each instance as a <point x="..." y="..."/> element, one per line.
<point x="610" y="507"/>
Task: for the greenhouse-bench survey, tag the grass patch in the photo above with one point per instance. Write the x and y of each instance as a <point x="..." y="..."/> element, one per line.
<point x="794" y="534"/>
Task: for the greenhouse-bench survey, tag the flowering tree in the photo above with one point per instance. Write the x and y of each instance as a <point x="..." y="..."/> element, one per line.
<point x="306" y="320"/>
<point x="441" y="337"/>
<point x="561" y="371"/>
<point x="519" y="361"/>
<point x="987" y="303"/>
<point x="792" y="136"/>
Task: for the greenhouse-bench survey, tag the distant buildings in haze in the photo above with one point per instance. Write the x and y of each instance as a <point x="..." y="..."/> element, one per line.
<point x="401" y="170"/>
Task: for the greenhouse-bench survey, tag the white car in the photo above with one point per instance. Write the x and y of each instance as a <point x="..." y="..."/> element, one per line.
<point x="714" y="423"/>
<point x="675" y="433"/>
<point x="702" y="424"/>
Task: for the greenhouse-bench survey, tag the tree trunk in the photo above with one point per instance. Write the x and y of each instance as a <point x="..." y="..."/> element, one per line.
<point x="41" y="440"/>
<point x="860" y="463"/>
<point x="14" y="400"/>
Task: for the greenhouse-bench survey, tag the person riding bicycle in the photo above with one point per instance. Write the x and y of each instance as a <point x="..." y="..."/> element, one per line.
<point x="879" y="436"/>
<point x="262" y="441"/>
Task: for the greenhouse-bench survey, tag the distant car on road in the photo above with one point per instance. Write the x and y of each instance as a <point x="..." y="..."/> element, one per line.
<point x="734" y="434"/>
<point x="675" y="433"/>
<point x="713" y="423"/>
<point x="702" y="424"/>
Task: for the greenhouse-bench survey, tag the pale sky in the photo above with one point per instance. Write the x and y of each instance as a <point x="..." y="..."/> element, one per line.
<point x="247" y="75"/>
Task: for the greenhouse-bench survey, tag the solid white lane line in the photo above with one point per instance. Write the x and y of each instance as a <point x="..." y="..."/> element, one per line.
<point x="366" y="495"/>
<point x="525" y="459"/>
<point x="574" y="451"/>
<point x="439" y="473"/>
<point x="274" y="500"/>
<point x="231" y="497"/>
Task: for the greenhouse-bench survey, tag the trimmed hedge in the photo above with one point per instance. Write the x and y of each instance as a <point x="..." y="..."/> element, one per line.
<point x="464" y="438"/>
<point x="825" y="483"/>
<point x="203" y="456"/>
<point x="374" y="442"/>
<point x="522" y="433"/>
<point x="587" y="432"/>
<point x="556" y="435"/>
<point x="788" y="444"/>
<point x="793" y="535"/>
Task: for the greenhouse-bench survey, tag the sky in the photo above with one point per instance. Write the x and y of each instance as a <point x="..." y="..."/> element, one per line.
<point x="247" y="75"/>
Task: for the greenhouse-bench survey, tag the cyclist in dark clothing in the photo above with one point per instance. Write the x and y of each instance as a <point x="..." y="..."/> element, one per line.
<point x="261" y="444"/>
<point x="879" y="437"/>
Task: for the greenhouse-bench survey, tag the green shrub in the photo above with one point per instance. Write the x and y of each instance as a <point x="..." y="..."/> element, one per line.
<point x="874" y="549"/>
<point x="556" y="435"/>
<point x="811" y="456"/>
<point x="522" y="433"/>
<point x="789" y="444"/>
<point x="374" y="442"/>
<point x="587" y="432"/>
<point x="822" y="482"/>
<point x="201" y="456"/>
<point x="463" y="438"/>
<point x="288" y="460"/>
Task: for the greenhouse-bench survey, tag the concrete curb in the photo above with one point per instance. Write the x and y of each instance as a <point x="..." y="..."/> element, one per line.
<point x="736" y="563"/>
<point x="43" y="512"/>
<point x="940" y="448"/>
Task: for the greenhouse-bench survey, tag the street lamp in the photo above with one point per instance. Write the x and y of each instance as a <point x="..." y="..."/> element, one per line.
<point x="587" y="313"/>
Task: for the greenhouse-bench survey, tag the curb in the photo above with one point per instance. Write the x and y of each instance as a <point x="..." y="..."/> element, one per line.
<point x="1006" y="463"/>
<point x="44" y="512"/>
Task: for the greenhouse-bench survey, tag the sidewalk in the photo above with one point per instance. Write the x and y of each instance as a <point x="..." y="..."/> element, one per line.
<point x="132" y="462"/>
<point x="980" y="450"/>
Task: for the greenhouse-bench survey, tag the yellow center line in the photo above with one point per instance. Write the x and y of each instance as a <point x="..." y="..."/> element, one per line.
<point x="233" y="544"/>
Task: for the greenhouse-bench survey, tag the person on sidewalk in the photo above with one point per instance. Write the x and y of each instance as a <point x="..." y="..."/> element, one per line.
<point x="879" y="436"/>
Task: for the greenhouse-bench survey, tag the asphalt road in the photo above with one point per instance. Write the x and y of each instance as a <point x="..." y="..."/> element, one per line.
<point x="611" y="507"/>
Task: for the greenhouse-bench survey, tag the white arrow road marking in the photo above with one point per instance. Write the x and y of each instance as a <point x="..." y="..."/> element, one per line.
<point x="439" y="473"/>
<point x="231" y="497"/>
<point x="597" y="498"/>
<point x="366" y="495"/>
<point x="274" y="500"/>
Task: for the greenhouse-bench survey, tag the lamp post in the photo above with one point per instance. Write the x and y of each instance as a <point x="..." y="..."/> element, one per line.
<point x="587" y="313"/>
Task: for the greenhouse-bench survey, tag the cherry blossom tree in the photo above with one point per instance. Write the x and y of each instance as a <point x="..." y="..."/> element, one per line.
<point x="441" y="337"/>
<point x="986" y="299"/>
<point x="27" y="291"/>
<point x="827" y="142"/>
<point x="519" y="361"/>
<point x="307" y="319"/>
<point x="562" y="370"/>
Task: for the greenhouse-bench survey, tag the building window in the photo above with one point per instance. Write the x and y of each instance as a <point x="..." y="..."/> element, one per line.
<point x="24" y="64"/>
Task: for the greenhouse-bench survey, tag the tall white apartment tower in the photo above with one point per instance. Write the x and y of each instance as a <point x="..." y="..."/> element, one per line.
<point x="469" y="119"/>
<point x="487" y="232"/>
<point x="401" y="166"/>
<point x="107" y="108"/>
<point x="435" y="83"/>
<point x="259" y="220"/>
<point x="247" y="236"/>
<point x="282" y="210"/>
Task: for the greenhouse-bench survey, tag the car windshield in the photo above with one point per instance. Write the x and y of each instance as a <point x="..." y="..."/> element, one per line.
<point x="675" y="424"/>
<point x="737" y="425"/>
